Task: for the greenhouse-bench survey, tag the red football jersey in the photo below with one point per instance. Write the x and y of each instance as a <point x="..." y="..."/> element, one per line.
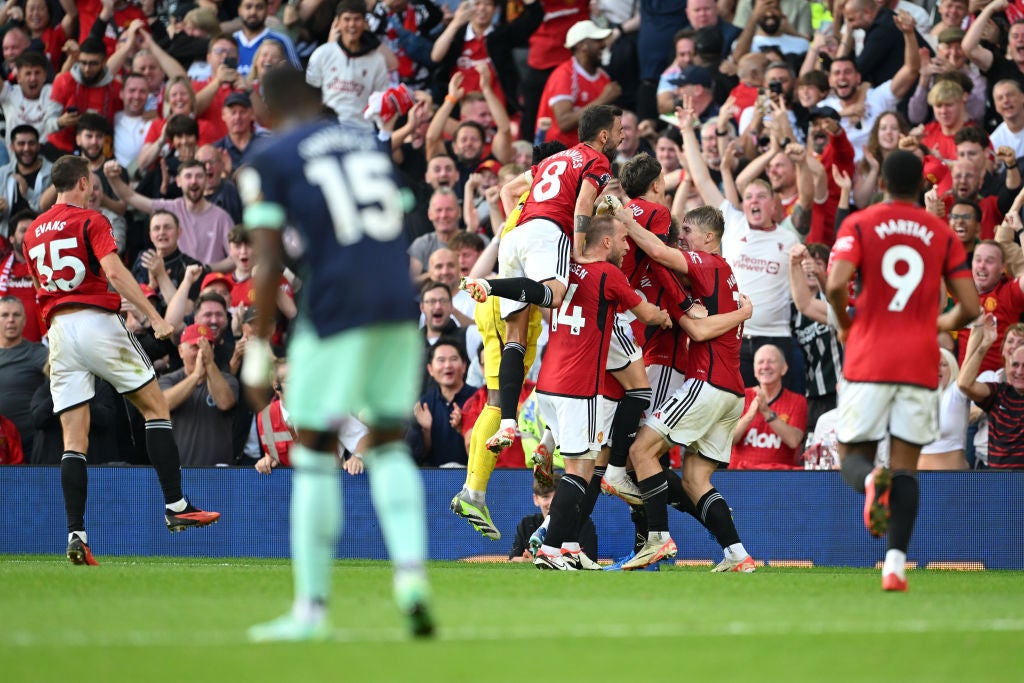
<point x="577" y="351"/>
<point x="761" y="448"/>
<point x="655" y="218"/>
<point x="902" y="253"/>
<point x="63" y="248"/>
<point x="571" y="83"/>
<point x="557" y="181"/>
<point x="1006" y="302"/>
<point x="716" y="361"/>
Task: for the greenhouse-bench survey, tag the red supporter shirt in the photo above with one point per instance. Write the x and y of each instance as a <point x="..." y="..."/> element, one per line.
<point x="547" y="43"/>
<point x="577" y="351"/>
<point x="838" y="152"/>
<point x="89" y="11"/>
<point x="570" y="83"/>
<point x="104" y="100"/>
<point x="213" y="115"/>
<point x="716" y="361"/>
<point x="207" y="133"/>
<point x="1006" y="302"/>
<point x="16" y="280"/>
<point x="901" y="253"/>
<point x="557" y="181"/>
<point x="763" y="449"/>
<point x="474" y="51"/>
<point x="64" y="247"/>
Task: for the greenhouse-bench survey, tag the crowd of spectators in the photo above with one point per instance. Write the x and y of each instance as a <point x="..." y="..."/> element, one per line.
<point x="797" y="103"/>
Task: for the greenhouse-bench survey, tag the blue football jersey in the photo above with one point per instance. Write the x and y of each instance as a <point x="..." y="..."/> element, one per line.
<point x="336" y="185"/>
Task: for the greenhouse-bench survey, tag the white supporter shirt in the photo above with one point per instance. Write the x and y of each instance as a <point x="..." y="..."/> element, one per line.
<point x="41" y="113"/>
<point x="347" y="82"/>
<point x="981" y="436"/>
<point x="877" y="101"/>
<point x="129" y="134"/>
<point x="760" y="261"/>
<point x="1002" y="136"/>
<point x="953" y="410"/>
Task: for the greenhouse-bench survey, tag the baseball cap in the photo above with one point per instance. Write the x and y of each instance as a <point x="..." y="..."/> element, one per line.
<point x="582" y="30"/>
<point x="823" y="113"/>
<point x="951" y="35"/>
<point x="194" y="332"/>
<point x="250" y="314"/>
<point x="241" y="98"/>
<point x="217" y="277"/>
<point x="693" y="75"/>
<point x="489" y="165"/>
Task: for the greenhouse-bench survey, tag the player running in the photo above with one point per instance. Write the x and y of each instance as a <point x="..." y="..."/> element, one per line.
<point x="74" y="262"/>
<point x="355" y="349"/>
<point x="899" y="254"/>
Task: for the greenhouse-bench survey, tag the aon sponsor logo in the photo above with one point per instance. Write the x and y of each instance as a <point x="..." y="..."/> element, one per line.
<point x="758" y="439"/>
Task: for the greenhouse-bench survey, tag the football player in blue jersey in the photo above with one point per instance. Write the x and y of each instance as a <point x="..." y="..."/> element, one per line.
<point x="355" y="349"/>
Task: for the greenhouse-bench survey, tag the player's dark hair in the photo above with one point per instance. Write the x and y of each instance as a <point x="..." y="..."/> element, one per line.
<point x="464" y="238"/>
<point x="599" y="228"/>
<point x="975" y="208"/>
<point x="22" y="129"/>
<point x="165" y="212"/>
<point x="23" y="215"/>
<point x="285" y="90"/>
<point x="547" y="149"/>
<point x="30" y="58"/>
<point x="351" y="7"/>
<point x="595" y="118"/>
<point x="974" y="134"/>
<point x="239" y="235"/>
<point x="93" y="122"/>
<point x="448" y="341"/>
<point x="708" y="218"/>
<point x="638" y="173"/>
<point x="902" y="172"/>
<point x="209" y="296"/>
<point x="181" y="124"/>
<point x="67" y="171"/>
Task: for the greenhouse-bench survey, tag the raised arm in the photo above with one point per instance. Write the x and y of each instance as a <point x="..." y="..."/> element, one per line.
<point x="435" y="132"/>
<point x="112" y="170"/>
<point x="463" y="13"/>
<point x="758" y="165"/>
<point x="981" y="340"/>
<point x="707" y="188"/>
<point x="815" y="309"/>
<point x="966" y="308"/>
<point x="904" y="79"/>
<point x="980" y="56"/>
<point x="501" y="143"/>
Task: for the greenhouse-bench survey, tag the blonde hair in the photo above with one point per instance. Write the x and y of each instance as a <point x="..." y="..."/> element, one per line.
<point x="954" y="367"/>
<point x="184" y="80"/>
<point x="945" y="91"/>
<point x="204" y="20"/>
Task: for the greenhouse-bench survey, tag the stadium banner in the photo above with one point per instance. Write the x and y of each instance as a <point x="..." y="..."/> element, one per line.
<point x="967" y="520"/>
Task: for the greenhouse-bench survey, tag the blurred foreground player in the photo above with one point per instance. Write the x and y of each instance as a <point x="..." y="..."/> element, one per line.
<point x="900" y="255"/>
<point x="355" y="350"/>
<point x="73" y="261"/>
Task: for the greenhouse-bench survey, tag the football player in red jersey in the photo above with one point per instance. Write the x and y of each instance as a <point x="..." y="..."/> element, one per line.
<point x="74" y="262"/>
<point x="572" y="377"/>
<point x="900" y="255"/>
<point x="703" y="413"/>
<point x="533" y="258"/>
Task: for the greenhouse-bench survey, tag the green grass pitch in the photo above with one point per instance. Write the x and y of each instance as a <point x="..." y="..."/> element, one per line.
<point x="159" y="619"/>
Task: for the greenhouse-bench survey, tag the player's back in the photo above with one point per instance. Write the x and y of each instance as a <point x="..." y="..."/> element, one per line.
<point x="577" y="350"/>
<point x="715" y="361"/>
<point x="655" y="219"/>
<point x="557" y="181"/>
<point x="339" y="191"/>
<point x="63" y="248"/>
<point x="902" y="253"/>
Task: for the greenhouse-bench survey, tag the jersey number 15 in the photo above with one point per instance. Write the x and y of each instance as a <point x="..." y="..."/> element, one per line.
<point x="360" y="194"/>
